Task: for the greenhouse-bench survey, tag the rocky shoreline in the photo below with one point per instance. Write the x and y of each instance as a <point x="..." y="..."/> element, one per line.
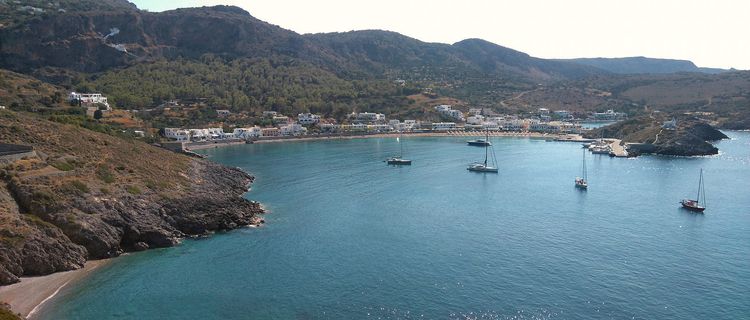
<point x="690" y="137"/>
<point x="115" y="225"/>
<point x="88" y="196"/>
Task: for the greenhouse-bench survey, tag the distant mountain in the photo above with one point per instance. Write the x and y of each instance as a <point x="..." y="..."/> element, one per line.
<point x="78" y="40"/>
<point x="643" y="65"/>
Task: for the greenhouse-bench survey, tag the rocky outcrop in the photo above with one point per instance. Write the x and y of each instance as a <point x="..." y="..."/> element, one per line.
<point x="691" y="137"/>
<point x="112" y="195"/>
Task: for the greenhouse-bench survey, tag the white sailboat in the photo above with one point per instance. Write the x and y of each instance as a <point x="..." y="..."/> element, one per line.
<point x="582" y="181"/>
<point x="483" y="166"/>
<point x="699" y="204"/>
<point x="399" y="160"/>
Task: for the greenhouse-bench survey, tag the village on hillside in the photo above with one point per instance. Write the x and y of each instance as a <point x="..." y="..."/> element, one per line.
<point x="276" y="124"/>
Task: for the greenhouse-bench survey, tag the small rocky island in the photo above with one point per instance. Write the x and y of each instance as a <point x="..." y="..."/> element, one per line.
<point x="685" y="136"/>
<point x="87" y="195"/>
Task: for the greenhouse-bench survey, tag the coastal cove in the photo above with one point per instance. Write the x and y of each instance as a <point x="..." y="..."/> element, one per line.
<point x="348" y="237"/>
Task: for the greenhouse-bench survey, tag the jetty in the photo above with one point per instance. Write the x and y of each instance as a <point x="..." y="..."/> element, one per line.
<point x="617" y="149"/>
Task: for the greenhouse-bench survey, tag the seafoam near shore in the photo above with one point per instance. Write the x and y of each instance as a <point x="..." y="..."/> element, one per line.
<point x="28" y="296"/>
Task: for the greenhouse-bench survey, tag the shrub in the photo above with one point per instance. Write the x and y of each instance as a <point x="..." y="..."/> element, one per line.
<point x="63" y="165"/>
<point x="133" y="190"/>
<point x="78" y="185"/>
<point x="105" y="175"/>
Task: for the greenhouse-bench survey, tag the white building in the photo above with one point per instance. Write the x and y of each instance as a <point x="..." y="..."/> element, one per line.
<point x="88" y="98"/>
<point x="448" y="111"/>
<point x="443" y="126"/>
<point x="247" y="133"/>
<point x="476" y="111"/>
<point x="670" y="125"/>
<point x="292" y="129"/>
<point x="512" y="124"/>
<point x="308" y="118"/>
<point x="370" y="117"/>
<point x="223" y="113"/>
<point x="475" y="119"/>
<point x="609" y="115"/>
<point x="177" y="134"/>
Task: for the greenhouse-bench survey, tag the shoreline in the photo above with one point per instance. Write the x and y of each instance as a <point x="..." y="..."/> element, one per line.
<point x="533" y="135"/>
<point x="30" y="295"/>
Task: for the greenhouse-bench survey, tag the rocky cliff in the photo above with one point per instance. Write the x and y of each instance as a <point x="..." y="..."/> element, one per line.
<point x="90" y="196"/>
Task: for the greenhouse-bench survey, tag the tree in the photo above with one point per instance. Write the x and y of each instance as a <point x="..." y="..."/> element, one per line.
<point x="98" y="114"/>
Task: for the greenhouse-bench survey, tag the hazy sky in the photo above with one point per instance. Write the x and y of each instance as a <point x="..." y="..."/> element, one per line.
<point x="711" y="33"/>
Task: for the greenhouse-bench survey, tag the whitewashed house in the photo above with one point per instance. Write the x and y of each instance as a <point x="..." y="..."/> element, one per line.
<point x="247" y="133"/>
<point x="88" y="98"/>
<point x="448" y="111"/>
<point x="177" y="134"/>
<point x="475" y="119"/>
<point x="308" y="118"/>
<point x="292" y="129"/>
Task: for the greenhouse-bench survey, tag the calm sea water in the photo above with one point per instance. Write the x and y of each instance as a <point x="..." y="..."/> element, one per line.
<point x="348" y="237"/>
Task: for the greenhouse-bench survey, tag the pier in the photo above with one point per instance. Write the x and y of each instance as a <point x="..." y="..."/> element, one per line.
<point x="617" y="150"/>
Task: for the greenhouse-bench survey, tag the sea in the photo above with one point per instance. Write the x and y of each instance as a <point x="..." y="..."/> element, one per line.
<point x="349" y="237"/>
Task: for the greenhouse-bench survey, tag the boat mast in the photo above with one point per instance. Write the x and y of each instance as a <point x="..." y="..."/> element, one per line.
<point x="400" y="144"/>
<point x="701" y="189"/>
<point x="584" y="166"/>
<point x="486" y="145"/>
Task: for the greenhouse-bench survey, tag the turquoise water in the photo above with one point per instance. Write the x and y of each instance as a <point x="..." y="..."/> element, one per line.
<point x="348" y="237"/>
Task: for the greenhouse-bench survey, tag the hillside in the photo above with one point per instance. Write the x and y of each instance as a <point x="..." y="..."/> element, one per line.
<point x="643" y="65"/>
<point x="86" y="195"/>
<point x="228" y="58"/>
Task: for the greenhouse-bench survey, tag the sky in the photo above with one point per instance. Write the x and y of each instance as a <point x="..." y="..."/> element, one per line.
<point x="711" y="33"/>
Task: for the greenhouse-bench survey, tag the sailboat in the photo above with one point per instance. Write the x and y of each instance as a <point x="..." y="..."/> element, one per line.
<point x="399" y="160"/>
<point x="696" y="205"/>
<point x="483" y="167"/>
<point x="582" y="181"/>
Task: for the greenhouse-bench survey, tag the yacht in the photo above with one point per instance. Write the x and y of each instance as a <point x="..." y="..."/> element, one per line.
<point x="399" y="159"/>
<point x="696" y="205"/>
<point x="582" y="181"/>
<point x="483" y="166"/>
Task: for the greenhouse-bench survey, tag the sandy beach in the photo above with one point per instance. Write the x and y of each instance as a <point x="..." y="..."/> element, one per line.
<point x="423" y="134"/>
<point x="27" y="296"/>
<point x="536" y="135"/>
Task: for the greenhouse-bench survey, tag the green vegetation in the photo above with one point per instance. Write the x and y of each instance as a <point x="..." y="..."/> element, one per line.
<point x="133" y="190"/>
<point x="78" y="185"/>
<point x="104" y="174"/>
<point x="63" y="165"/>
<point x="254" y="85"/>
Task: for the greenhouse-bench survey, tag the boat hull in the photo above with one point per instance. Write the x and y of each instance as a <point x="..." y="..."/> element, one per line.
<point x="481" y="168"/>
<point x="692" y="206"/>
<point x="399" y="162"/>
<point x="479" y="143"/>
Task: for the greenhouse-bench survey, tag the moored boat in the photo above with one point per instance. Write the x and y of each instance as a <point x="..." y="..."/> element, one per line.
<point x="696" y="205"/>
<point x="582" y="181"/>
<point x="483" y="166"/>
<point x="479" y="143"/>
<point x="398" y="160"/>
